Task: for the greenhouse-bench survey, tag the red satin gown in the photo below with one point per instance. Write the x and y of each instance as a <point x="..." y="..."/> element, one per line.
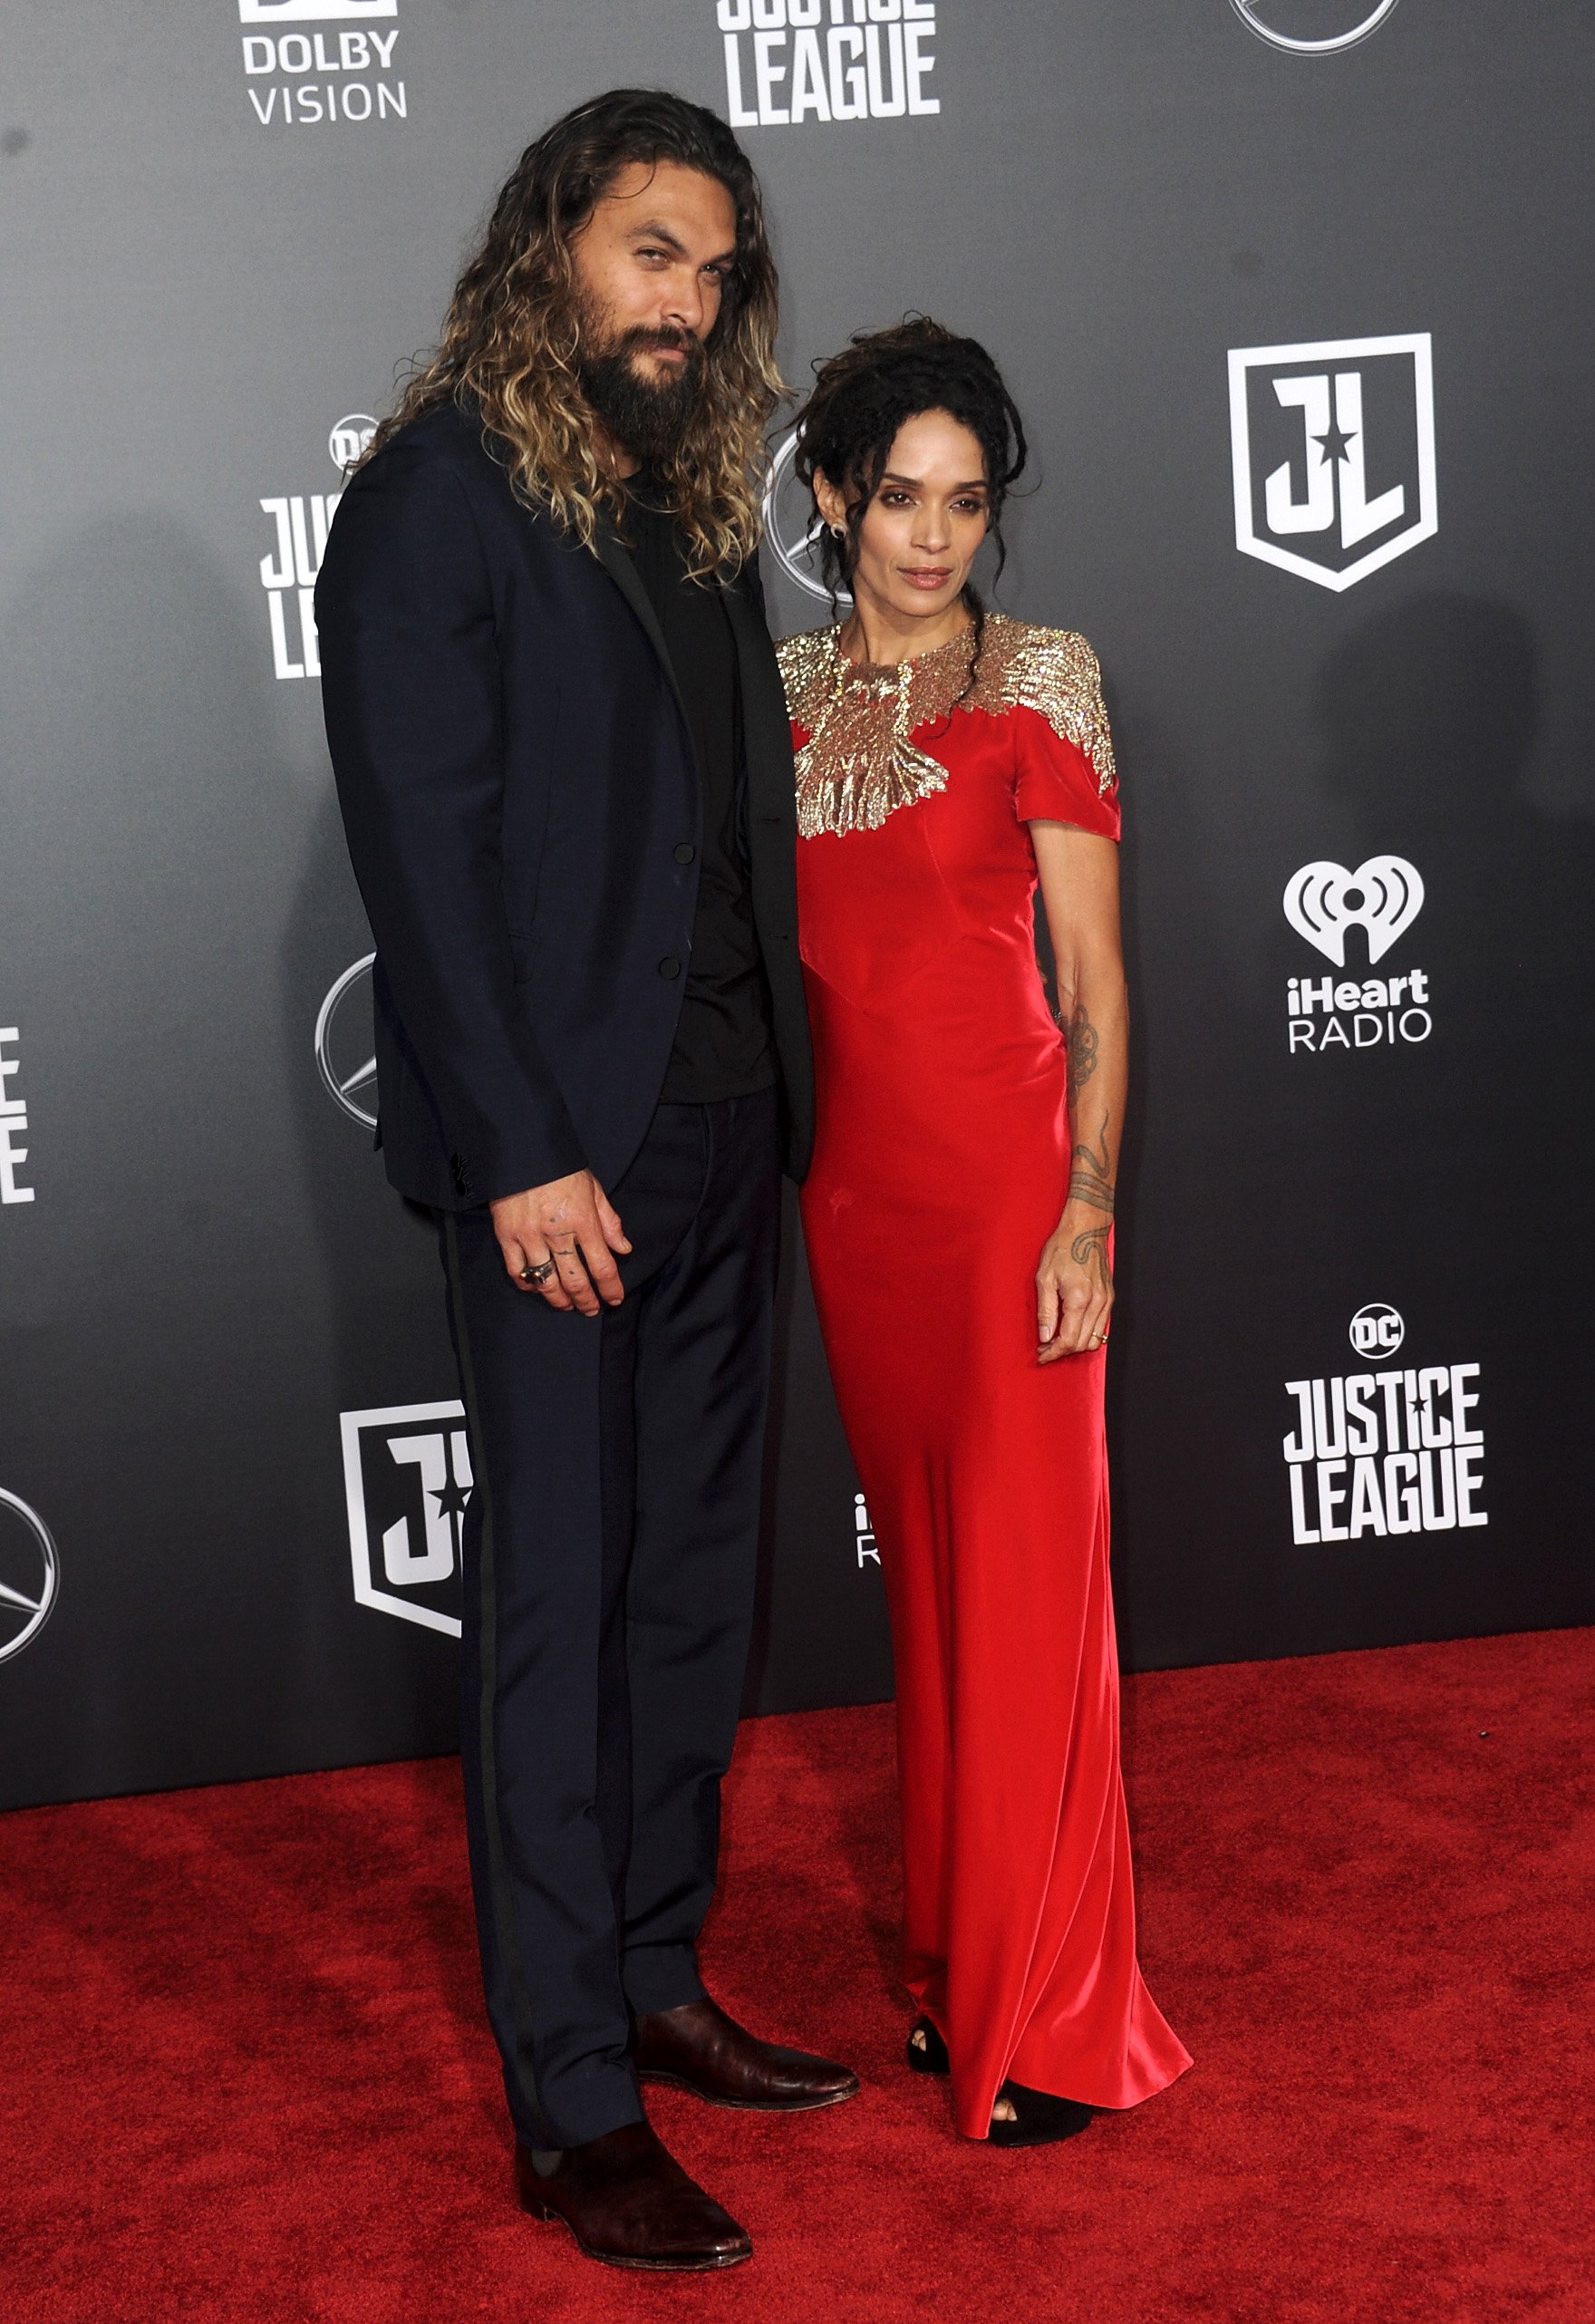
<point x="939" y="1172"/>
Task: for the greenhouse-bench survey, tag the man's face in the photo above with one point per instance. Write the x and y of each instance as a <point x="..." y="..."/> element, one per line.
<point x="652" y="265"/>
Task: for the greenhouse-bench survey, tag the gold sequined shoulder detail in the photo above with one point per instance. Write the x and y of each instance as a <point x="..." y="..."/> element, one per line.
<point x="861" y="763"/>
<point x="1054" y="672"/>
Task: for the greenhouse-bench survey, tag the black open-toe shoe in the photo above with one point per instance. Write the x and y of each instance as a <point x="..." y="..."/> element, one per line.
<point x="927" y="2052"/>
<point x="1039" y="2118"/>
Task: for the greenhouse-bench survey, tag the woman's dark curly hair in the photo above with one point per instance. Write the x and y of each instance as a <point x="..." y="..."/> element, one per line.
<point x="863" y="396"/>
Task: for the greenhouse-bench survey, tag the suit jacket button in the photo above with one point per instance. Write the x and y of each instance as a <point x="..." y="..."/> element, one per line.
<point x="684" y="853"/>
<point x="669" y="966"/>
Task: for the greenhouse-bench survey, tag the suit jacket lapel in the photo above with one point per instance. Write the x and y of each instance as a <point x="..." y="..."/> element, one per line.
<point x="767" y="735"/>
<point x="621" y="567"/>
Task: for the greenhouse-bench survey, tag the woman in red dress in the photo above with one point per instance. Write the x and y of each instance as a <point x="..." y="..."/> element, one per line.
<point x="959" y="1223"/>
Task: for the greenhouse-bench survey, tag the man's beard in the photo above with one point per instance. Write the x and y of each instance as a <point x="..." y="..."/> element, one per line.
<point x="646" y="417"/>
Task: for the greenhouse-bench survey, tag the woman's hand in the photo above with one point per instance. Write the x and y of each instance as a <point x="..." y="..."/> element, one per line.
<point x="1074" y="1285"/>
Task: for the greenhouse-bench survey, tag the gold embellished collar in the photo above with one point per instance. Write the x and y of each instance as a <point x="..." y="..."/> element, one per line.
<point x="860" y="762"/>
<point x="957" y="651"/>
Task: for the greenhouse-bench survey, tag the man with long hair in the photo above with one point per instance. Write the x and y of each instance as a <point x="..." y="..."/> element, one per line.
<point x="565" y="768"/>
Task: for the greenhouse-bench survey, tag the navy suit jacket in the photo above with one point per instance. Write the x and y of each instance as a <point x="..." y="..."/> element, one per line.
<point x="522" y="801"/>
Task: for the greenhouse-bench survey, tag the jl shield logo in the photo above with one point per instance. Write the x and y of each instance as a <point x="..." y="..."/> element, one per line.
<point x="1312" y="27"/>
<point x="408" y="1481"/>
<point x="345" y="1052"/>
<point x="1383" y="896"/>
<point x="30" y="1575"/>
<point x="1333" y="449"/>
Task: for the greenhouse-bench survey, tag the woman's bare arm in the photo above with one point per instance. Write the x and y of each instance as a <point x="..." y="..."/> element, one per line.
<point x="1079" y="890"/>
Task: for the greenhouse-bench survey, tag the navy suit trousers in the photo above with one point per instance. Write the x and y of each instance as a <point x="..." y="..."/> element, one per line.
<point x="610" y="1552"/>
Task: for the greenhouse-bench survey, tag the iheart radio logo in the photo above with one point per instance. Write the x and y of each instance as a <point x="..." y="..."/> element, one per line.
<point x="1383" y="895"/>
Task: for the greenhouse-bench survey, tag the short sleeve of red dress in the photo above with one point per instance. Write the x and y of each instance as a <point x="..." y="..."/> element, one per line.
<point x="1056" y="783"/>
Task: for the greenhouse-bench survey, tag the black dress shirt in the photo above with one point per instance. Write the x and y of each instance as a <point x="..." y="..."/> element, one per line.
<point x="724" y="1047"/>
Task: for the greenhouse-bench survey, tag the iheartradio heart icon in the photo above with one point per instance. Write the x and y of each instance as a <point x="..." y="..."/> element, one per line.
<point x="1384" y="896"/>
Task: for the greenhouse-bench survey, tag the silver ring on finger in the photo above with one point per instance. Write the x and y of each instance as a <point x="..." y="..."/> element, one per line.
<point x="538" y="1275"/>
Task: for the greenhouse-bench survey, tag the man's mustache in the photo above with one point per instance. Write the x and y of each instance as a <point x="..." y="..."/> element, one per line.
<point x="679" y="343"/>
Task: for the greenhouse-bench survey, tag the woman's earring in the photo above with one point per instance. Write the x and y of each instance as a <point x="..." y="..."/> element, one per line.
<point x="839" y="532"/>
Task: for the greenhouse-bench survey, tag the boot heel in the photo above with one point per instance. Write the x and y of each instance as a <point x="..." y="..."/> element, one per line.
<point x="529" y="2188"/>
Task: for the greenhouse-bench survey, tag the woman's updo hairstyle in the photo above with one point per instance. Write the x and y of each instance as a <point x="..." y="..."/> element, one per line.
<point x="863" y="396"/>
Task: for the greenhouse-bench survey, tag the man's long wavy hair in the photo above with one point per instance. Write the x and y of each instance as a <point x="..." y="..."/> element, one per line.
<point x="509" y="349"/>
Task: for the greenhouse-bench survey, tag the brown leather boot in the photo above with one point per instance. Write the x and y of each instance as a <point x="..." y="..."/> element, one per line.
<point x="628" y="2202"/>
<point x="698" y="2048"/>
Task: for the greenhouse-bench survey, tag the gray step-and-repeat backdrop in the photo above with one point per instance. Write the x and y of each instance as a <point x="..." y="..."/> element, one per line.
<point x="1292" y="292"/>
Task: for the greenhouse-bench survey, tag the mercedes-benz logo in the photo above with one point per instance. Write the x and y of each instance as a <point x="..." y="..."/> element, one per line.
<point x="1303" y="44"/>
<point x="344" y="1050"/>
<point x="790" y="525"/>
<point x="30" y="1575"/>
<point x="349" y="439"/>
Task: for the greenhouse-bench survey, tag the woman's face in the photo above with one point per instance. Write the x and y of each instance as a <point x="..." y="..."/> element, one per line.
<point x="920" y="532"/>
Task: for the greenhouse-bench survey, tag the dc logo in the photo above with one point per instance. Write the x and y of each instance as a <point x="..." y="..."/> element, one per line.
<point x="349" y="439"/>
<point x="1383" y="896"/>
<point x="344" y="1048"/>
<point x="1376" y="1330"/>
<point x="790" y="525"/>
<point x="408" y="1481"/>
<point x="308" y="12"/>
<point x="30" y="1575"/>
<point x="1333" y="451"/>
<point x="1315" y="27"/>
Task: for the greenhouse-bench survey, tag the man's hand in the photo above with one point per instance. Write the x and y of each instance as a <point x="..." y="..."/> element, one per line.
<point x="572" y="1223"/>
<point x="1074" y="1285"/>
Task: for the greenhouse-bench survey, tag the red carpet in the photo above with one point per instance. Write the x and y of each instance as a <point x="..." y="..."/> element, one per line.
<point x="246" y="2075"/>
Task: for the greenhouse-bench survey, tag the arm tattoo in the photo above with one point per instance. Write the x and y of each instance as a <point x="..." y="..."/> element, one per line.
<point x="1089" y="1250"/>
<point x="1089" y="1178"/>
<point x="1081" y="1039"/>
